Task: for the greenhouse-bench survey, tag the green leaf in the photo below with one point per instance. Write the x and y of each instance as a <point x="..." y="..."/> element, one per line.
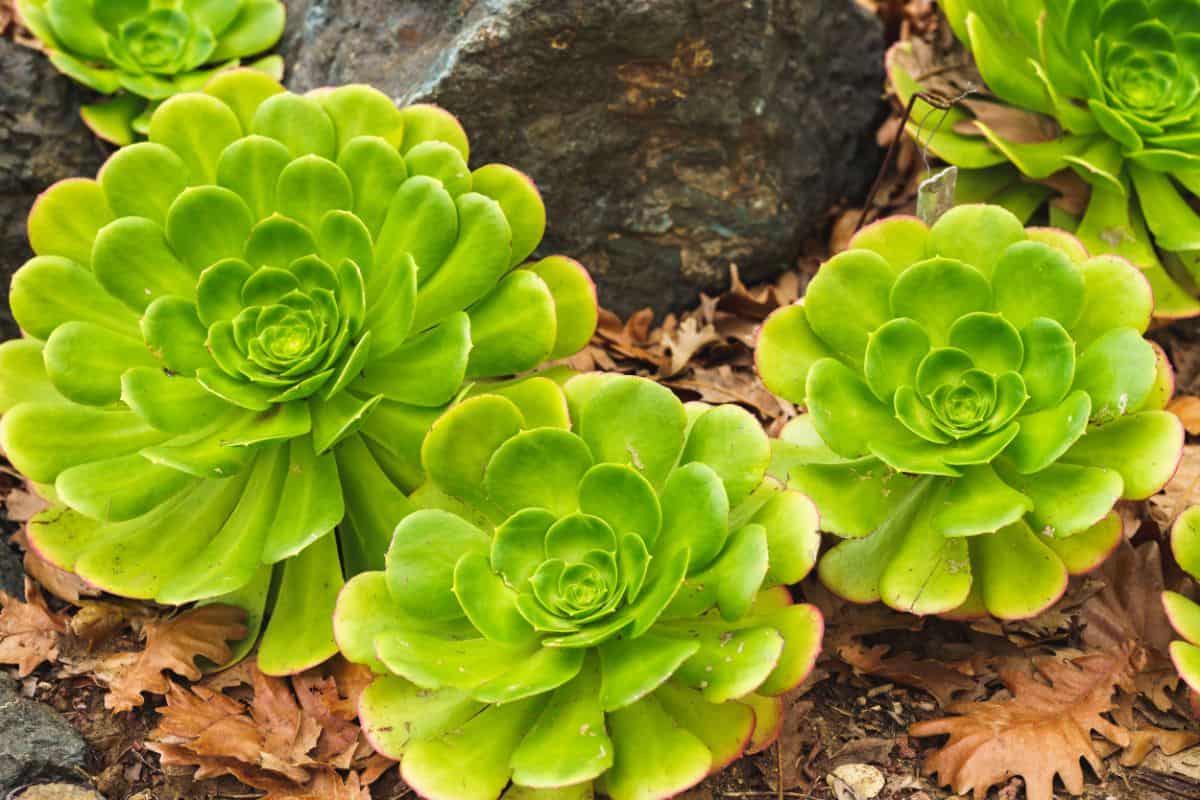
<point x="424" y="123"/>
<point x="858" y="279"/>
<point x="654" y="756"/>
<point x="1117" y="296"/>
<point x="135" y="264"/>
<point x="633" y="668"/>
<point x="1185" y="540"/>
<point x="361" y="111"/>
<point x="459" y="445"/>
<point x="1143" y="447"/>
<point x="786" y="350"/>
<point x="937" y="292"/>
<point x="532" y="675"/>
<point x="422" y="220"/>
<point x="518" y="545"/>
<point x="730" y="441"/>
<point x="1015" y="550"/>
<point x="738" y="572"/>
<point x="207" y="224"/>
<point x="120" y="488"/>
<point x="421" y="560"/>
<point x="443" y="163"/>
<point x="730" y="663"/>
<point x="927" y="573"/>
<point x="568" y="743"/>
<point x="257" y="27"/>
<point x="975" y="234"/>
<point x="448" y="657"/>
<point x="801" y="627"/>
<point x="23" y="376"/>
<point x="1046" y="435"/>
<point x="979" y="502"/>
<point x="309" y="187"/>
<point x="623" y="498"/>
<point x="791" y="522"/>
<point x="571" y="538"/>
<point x="901" y="240"/>
<point x="43" y="439"/>
<point x="299" y="635"/>
<point x="427" y="370"/>
<point x="84" y="361"/>
<point x="395" y="713"/>
<point x="635" y="422"/>
<point x="1084" y="551"/>
<point x="174" y="334"/>
<point x="338" y="417"/>
<point x="475" y="263"/>
<point x="376" y="171"/>
<point x="250" y="167"/>
<point x="278" y="241"/>
<point x="299" y="123"/>
<point x="143" y="180"/>
<point x="197" y="128"/>
<point x="725" y="728"/>
<point x="310" y="504"/>
<point x="844" y="412"/>
<point x="522" y="204"/>
<point x="1066" y="498"/>
<point x="488" y="602"/>
<point x="1049" y="367"/>
<point x="49" y="291"/>
<point x="540" y="468"/>
<point x="1033" y="280"/>
<point x="66" y="217"/>
<point x="1184" y="615"/>
<point x="894" y="351"/>
<point x="1117" y="371"/>
<point x="433" y="767"/>
<point x="513" y="327"/>
<point x="695" y="512"/>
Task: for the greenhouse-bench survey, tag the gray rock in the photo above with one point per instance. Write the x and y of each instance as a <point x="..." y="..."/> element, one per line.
<point x="670" y="138"/>
<point x="12" y="572"/>
<point x="42" y="140"/>
<point x="36" y="743"/>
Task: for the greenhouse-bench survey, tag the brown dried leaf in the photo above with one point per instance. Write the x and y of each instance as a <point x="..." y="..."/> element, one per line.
<point x="1144" y="740"/>
<point x="1187" y="408"/>
<point x="30" y="633"/>
<point x="1043" y="730"/>
<point x="943" y="680"/>
<point x="1011" y="123"/>
<point x="326" y="785"/>
<point x="173" y="644"/>
<point x="60" y="583"/>
<point x="22" y="505"/>
<point x="685" y="342"/>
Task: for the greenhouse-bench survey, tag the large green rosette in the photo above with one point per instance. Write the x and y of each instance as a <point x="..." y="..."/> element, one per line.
<point x="591" y="598"/>
<point x="1183" y="612"/>
<point x="238" y="334"/>
<point x="1107" y="91"/>
<point x="979" y="396"/>
<point x="144" y="51"/>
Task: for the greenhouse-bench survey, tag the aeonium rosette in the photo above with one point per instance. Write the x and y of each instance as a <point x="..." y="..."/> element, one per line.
<point x="1093" y="105"/>
<point x="1182" y="611"/>
<point x="587" y="598"/>
<point x="238" y="334"/>
<point x="979" y="396"/>
<point x="145" y="51"/>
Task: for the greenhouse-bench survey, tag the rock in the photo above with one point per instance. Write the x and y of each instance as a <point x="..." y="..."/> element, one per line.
<point x="856" y="781"/>
<point x="12" y="572"/>
<point x="36" y="743"/>
<point x="42" y="140"/>
<point x="58" y="791"/>
<point x="670" y="138"/>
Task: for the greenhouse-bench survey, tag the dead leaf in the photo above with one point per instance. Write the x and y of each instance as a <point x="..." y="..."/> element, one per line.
<point x="60" y="583"/>
<point x="1011" y="123"/>
<point x="22" y="505"/>
<point x="1043" y="730"/>
<point x="688" y="339"/>
<point x="171" y="645"/>
<point x="943" y="680"/>
<point x="1187" y="408"/>
<point x="30" y="633"/>
<point x="1143" y="741"/>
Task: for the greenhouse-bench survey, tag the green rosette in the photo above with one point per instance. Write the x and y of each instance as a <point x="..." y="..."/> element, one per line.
<point x="979" y="396"/>
<point x="237" y="336"/>
<point x="1183" y="612"/>
<point x="591" y="598"/>
<point x="1112" y="90"/>
<point x="144" y="51"/>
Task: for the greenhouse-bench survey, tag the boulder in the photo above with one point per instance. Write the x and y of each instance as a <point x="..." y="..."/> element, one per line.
<point x="36" y="743"/>
<point x="670" y="138"/>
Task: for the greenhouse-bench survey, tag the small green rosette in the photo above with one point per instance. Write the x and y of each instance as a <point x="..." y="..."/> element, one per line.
<point x="1183" y="612"/>
<point x="979" y="396"/>
<point x="144" y="51"/>
<point x="591" y="598"/>
<point x="1103" y="92"/>
<point x="237" y="335"/>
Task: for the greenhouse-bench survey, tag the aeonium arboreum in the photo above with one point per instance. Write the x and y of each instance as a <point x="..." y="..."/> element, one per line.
<point x="979" y="396"/>
<point x="145" y="51"/>
<point x="238" y="334"/>
<point x="1183" y="612"/>
<point x="1092" y="104"/>
<point x="592" y="599"/>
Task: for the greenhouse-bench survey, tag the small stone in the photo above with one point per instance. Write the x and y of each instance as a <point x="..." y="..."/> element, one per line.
<point x="856" y="781"/>
<point x="36" y="743"/>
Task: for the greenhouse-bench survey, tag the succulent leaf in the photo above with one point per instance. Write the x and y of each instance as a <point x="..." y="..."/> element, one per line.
<point x="1182" y="611"/>
<point x="991" y="417"/>
<point x="226" y="363"/>
<point x="1106" y="97"/>
<point x="604" y="599"/>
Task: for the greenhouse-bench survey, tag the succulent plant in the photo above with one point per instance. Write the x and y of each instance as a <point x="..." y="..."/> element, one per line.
<point x="592" y="597"/>
<point x="1183" y="612"/>
<point x="979" y="396"/>
<point x="238" y="334"/>
<point x="145" y="51"/>
<point x="1107" y="91"/>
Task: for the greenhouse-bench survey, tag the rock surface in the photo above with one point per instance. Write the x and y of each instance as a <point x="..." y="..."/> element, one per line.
<point x="670" y="138"/>
<point x="36" y="743"/>
<point x="58" y="791"/>
<point x="42" y="140"/>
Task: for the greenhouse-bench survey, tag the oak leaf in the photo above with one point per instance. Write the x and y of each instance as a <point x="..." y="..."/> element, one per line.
<point x="1042" y="731"/>
<point x="171" y="645"/>
<point x="30" y="633"/>
<point x="943" y="680"/>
